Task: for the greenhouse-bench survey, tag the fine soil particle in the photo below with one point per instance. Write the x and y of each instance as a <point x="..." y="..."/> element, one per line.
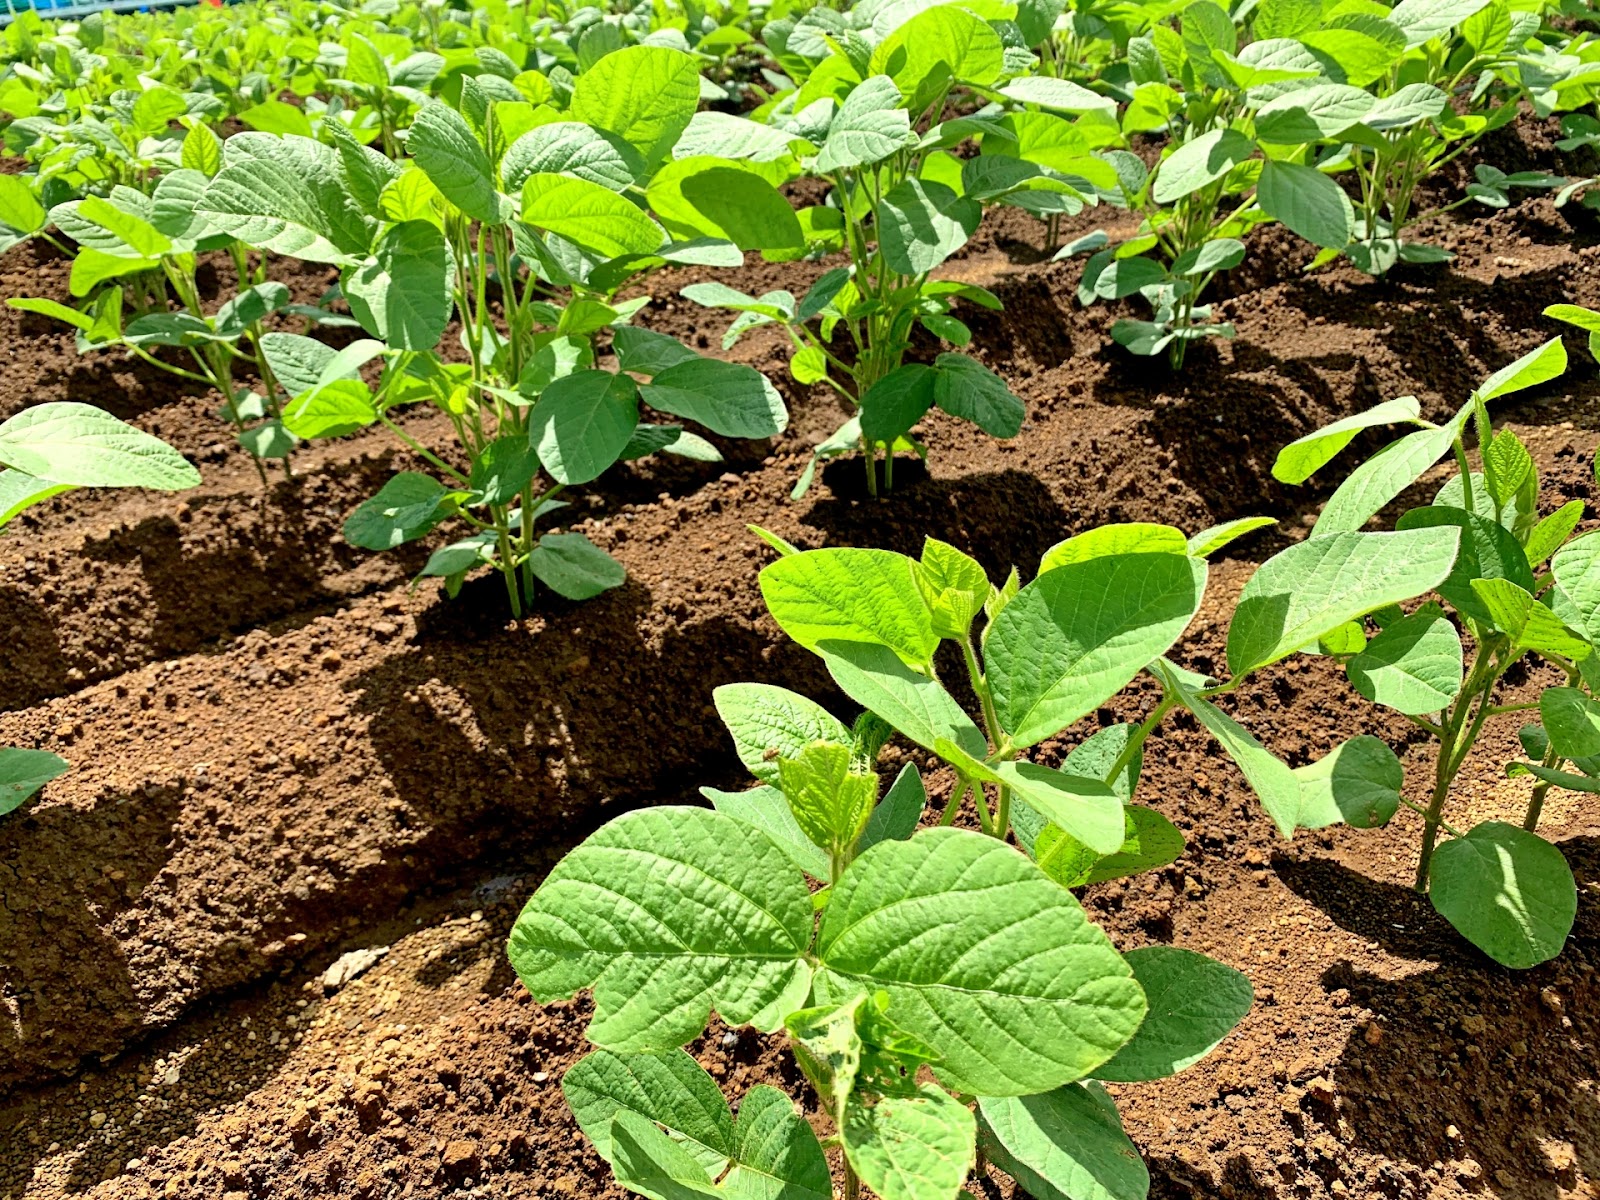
<point x="282" y="754"/>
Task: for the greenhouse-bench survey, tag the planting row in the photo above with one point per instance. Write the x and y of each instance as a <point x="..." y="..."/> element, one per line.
<point x="492" y="188"/>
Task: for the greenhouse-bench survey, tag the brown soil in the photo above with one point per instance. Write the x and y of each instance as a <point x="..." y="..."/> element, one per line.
<point x="282" y="754"/>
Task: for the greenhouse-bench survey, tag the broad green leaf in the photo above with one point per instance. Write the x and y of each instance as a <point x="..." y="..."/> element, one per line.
<point x="776" y="1154"/>
<point x="1149" y="841"/>
<point x="647" y="352"/>
<point x="1424" y="20"/>
<point x="1529" y="622"/>
<point x="727" y="398"/>
<point x="24" y="772"/>
<point x="1533" y="368"/>
<point x="1302" y="458"/>
<point x="405" y="508"/>
<point x="1508" y="892"/>
<point x="1576" y="567"/>
<point x="1274" y="784"/>
<point x="940" y="39"/>
<point x="1088" y="809"/>
<point x="668" y="913"/>
<point x="402" y="294"/>
<point x="79" y="445"/>
<point x="589" y="215"/>
<point x="668" y="1088"/>
<point x="1318" y="585"/>
<point x="503" y="469"/>
<point x="744" y="208"/>
<point x="1488" y="551"/>
<point x="572" y="566"/>
<point x="1075" y="636"/>
<point x="1208" y="541"/>
<point x="1286" y="18"/>
<point x="274" y="117"/>
<point x="1200" y="162"/>
<point x="981" y="955"/>
<point x="1308" y="203"/>
<point x="571" y="148"/>
<point x="1065" y="1144"/>
<point x="1550" y="534"/>
<point x="1137" y="537"/>
<point x="51" y="308"/>
<point x="647" y="1161"/>
<point x="897" y="401"/>
<point x="869" y="127"/>
<point x="1407" y="106"/>
<point x="646" y="95"/>
<point x="249" y="306"/>
<point x="765" y="808"/>
<point x="1062" y="95"/>
<point x="1195" y="1002"/>
<point x="917" y="705"/>
<point x="899" y="812"/>
<point x="917" y="1147"/>
<point x="850" y="595"/>
<point x="1383" y="477"/>
<point x="1572" y="721"/>
<point x="1358" y="782"/>
<point x="444" y="146"/>
<point x="330" y="410"/>
<point x="965" y="388"/>
<point x="133" y="231"/>
<point x="287" y="195"/>
<point x="768" y="723"/>
<point x="297" y="361"/>
<point x="91" y="268"/>
<point x="582" y="422"/>
<point x="1312" y="114"/>
<point x="830" y="800"/>
<point x="1414" y="666"/>
<point x="20" y="491"/>
<point x="1356" y="48"/>
<point x="920" y="224"/>
<point x="19" y="206"/>
<point x="723" y="135"/>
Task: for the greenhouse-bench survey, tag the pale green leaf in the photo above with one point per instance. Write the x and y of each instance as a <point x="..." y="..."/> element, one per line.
<point x="1318" y="585"/>
<point x="982" y="956"/>
<point x="1076" y="635"/>
<point x="668" y="913"/>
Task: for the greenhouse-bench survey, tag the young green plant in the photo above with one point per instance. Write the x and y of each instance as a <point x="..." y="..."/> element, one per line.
<point x="1490" y="582"/>
<point x="937" y="1006"/>
<point x="868" y="122"/>
<point x="519" y="225"/>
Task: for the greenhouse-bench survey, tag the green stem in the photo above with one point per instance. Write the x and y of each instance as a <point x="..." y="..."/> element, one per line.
<point x="952" y="806"/>
<point x="421" y="450"/>
<point x="1453" y="751"/>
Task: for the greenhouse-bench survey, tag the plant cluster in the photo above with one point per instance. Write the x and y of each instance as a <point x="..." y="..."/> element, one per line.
<point x="951" y="996"/>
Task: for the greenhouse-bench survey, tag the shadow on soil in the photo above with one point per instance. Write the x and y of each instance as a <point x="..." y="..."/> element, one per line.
<point x="1501" y="1089"/>
<point x="66" y="875"/>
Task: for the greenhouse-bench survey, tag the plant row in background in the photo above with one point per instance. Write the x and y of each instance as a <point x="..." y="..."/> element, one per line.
<point x="494" y="189"/>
